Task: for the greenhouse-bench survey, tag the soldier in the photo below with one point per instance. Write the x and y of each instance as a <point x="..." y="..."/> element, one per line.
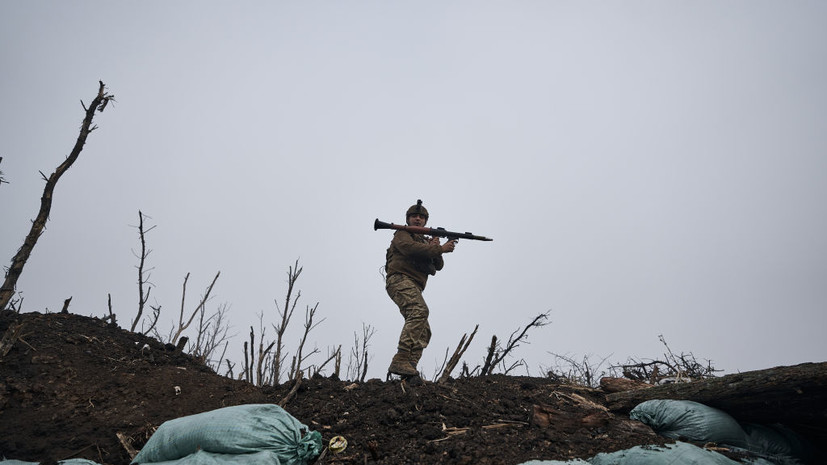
<point x="409" y="260"/>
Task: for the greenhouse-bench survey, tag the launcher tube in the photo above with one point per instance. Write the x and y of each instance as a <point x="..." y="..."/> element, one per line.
<point x="437" y="232"/>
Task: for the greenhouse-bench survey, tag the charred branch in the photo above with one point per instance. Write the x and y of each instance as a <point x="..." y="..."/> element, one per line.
<point x="39" y="224"/>
<point x="460" y="350"/>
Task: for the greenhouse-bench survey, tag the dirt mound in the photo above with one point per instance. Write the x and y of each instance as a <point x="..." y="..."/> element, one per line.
<point x="74" y="386"/>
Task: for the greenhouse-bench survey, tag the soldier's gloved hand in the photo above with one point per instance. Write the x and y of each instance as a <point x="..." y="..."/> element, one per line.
<point x="449" y="246"/>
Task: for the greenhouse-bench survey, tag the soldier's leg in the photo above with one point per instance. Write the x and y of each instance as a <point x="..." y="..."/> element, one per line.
<point x="421" y="333"/>
<point x="416" y="332"/>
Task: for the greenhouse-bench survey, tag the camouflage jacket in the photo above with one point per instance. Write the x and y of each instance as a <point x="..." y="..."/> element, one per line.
<point x="411" y="254"/>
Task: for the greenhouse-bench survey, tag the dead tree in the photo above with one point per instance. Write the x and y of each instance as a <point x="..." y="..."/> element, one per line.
<point x="337" y="362"/>
<point x="461" y="348"/>
<point x="39" y="224"/>
<point x="497" y="354"/>
<point x="296" y="369"/>
<point x="293" y="274"/>
<point x="66" y="303"/>
<point x="112" y="318"/>
<point x="143" y="274"/>
<point x="2" y="179"/>
<point x="358" y="360"/>
<point x="334" y="356"/>
<point x="248" y="362"/>
<point x="212" y="333"/>
<point x="683" y="367"/>
<point x="578" y="373"/>
<point x="182" y="326"/>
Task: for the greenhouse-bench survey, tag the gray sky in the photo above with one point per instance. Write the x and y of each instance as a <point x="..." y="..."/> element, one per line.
<point x="645" y="168"/>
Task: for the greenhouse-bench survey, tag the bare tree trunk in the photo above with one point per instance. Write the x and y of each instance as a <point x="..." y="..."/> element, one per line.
<point x="66" y="303"/>
<point x="293" y="274"/>
<point x="143" y="278"/>
<point x="261" y="368"/>
<point x="252" y="356"/>
<point x="308" y="326"/>
<point x="2" y="180"/>
<point x="183" y="326"/>
<point x="246" y="367"/>
<point x="19" y="261"/>
<point x="331" y="357"/>
<point x="492" y="349"/>
<point x="461" y="348"/>
<point x="112" y="318"/>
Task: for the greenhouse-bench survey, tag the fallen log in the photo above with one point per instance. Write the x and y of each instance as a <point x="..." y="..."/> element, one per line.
<point x="610" y="384"/>
<point x="798" y="391"/>
<point x="792" y="395"/>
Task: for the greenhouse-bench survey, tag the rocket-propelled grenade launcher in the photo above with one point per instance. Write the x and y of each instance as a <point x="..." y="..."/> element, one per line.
<point x="436" y="232"/>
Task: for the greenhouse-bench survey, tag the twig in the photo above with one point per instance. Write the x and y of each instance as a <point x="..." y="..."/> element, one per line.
<point x="125" y="442"/>
<point x="292" y="391"/>
<point x="20" y="338"/>
<point x="11" y="335"/>
<point x="501" y="425"/>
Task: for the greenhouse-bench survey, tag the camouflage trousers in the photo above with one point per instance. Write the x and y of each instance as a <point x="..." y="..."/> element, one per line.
<point x="416" y="332"/>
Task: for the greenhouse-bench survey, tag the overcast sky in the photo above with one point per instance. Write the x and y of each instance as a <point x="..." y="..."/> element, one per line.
<point x="645" y="168"/>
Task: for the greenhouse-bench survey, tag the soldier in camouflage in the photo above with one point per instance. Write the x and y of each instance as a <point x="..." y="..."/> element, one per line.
<point x="410" y="259"/>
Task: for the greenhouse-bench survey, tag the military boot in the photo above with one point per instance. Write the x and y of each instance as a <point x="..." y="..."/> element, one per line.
<point x="416" y="354"/>
<point x="401" y="365"/>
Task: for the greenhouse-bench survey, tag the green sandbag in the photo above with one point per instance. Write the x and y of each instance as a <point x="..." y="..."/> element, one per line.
<point x="778" y="441"/>
<point x="556" y="462"/>
<point x="61" y="462"/>
<point x="201" y="457"/>
<point x="242" y="429"/>
<point x="690" y="420"/>
<point x="679" y="453"/>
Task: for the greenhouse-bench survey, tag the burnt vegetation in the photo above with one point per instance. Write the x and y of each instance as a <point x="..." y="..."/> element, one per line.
<point x="83" y="387"/>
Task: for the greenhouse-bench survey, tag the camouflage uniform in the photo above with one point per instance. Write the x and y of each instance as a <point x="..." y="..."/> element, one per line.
<point x="410" y="260"/>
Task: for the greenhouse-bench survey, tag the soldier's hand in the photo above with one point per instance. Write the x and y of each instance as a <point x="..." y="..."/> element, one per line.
<point x="449" y="246"/>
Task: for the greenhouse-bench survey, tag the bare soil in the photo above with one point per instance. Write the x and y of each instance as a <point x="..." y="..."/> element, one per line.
<point x="72" y="384"/>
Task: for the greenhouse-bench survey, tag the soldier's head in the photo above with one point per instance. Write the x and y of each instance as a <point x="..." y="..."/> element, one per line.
<point x="417" y="214"/>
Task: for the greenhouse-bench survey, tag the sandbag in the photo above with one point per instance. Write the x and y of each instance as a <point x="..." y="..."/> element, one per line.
<point x="556" y="462"/>
<point x="690" y="420"/>
<point x="201" y="457"/>
<point x="242" y="429"/>
<point x="681" y="453"/>
<point x="61" y="462"/>
<point x="778" y="441"/>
